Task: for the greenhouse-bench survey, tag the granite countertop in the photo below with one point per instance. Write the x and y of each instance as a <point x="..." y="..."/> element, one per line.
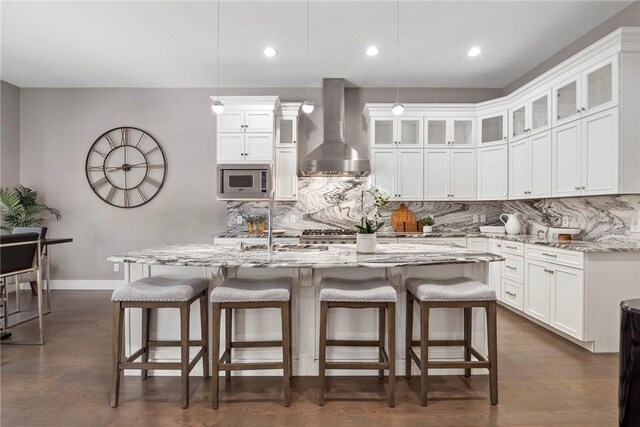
<point x="610" y="245"/>
<point x="229" y="255"/>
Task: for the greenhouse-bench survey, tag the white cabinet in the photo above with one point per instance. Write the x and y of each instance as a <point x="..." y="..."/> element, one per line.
<point x="537" y="289"/>
<point x="492" y="128"/>
<point x="494" y="274"/>
<point x="245" y="121"/>
<point x="567" y="300"/>
<point x="245" y="147"/>
<point x="531" y="116"/>
<point x="585" y="155"/>
<point x="451" y="132"/>
<point x="492" y="172"/>
<point x="530" y="167"/>
<point x="286" y="131"/>
<point x="449" y="174"/>
<point x="286" y="174"/>
<point x="590" y="91"/>
<point x="398" y="172"/>
<point x="396" y="132"/>
<point x="230" y="147"/>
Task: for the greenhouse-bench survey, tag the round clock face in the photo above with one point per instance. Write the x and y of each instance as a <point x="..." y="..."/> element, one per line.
<point x="126" y="167"/>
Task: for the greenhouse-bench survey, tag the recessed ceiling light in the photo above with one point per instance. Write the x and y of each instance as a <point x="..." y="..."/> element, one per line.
<point x="474" y="51"/>
<point x="373" y="51"/>
<point x="270" y="52"/>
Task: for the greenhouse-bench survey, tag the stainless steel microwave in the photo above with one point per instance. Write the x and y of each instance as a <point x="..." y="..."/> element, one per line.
<point x="244" y="181"/>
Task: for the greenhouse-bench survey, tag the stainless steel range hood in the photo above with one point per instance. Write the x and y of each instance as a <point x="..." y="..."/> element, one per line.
<point x="334" y="157"/>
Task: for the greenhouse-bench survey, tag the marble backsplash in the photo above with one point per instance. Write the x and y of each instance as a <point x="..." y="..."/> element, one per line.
<point x="335" y="203"/>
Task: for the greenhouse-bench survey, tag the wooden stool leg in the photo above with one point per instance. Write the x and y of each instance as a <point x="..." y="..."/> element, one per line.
<point x="204" y="334"/>
<point x="467" y="340"/>
<point x="146" y="312"/>
<point x="381" y="339"/>
<point x="424" y="352"/>
<point x="118" y="326"/>
<point x="228" y="324"/>
<point x="408" y="335"/>
<point x="391" y="310"/>
<point x="215" y="354"/>
<point x="184" y="353"/>
<point x="286" y="345"/>
<point x="324" y="308"/>
<point x="493" y="351"/>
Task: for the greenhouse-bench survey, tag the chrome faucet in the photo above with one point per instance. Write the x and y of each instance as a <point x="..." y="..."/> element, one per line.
<point x="272" y="196"/>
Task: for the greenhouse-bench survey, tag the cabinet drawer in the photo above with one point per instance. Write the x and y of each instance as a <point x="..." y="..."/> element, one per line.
<point x="557" y="256"/>
<point x="515" y="248"/>
<point x="513" y="268"/>
<point x="512" y="294"/>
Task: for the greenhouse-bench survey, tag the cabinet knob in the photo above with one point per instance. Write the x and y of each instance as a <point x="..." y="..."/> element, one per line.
<point x="294" y="142"/>
<point x="578" y="110"/>
<point x="583" y="109"/>
<point x="505" y="138"/>
<point x="576" y="188"/>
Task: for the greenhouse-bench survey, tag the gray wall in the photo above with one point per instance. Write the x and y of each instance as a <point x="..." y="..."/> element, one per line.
<point x="58" y="127"/>
<point x="627" y="17"/>
<point x="9" y="135"/>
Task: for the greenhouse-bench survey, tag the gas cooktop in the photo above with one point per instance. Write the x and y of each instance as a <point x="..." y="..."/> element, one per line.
<point x="328" y="232"/>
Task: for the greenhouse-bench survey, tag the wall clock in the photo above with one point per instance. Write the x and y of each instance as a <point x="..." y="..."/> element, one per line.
<point x="126" y="167"/>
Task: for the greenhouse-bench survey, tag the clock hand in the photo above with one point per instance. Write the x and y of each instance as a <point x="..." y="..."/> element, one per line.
<point x="122" y="167"/>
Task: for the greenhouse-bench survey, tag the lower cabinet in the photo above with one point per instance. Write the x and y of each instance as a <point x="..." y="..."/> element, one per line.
<point x="494" y="274"/>
<point x="554" y="294"/>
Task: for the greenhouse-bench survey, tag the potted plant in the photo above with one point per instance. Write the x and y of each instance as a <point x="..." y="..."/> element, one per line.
<point x="20" y="208"/>
<point x="251" y="224"/>
<point x="371" y="200"/>
<point x="427" y="224"/>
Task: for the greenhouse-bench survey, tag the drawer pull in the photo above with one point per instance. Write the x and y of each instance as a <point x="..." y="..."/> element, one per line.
<point x="510" y="267"/>
<point x="550" y="255"/>
<point x="511" y="294"/>
<point x="548" y="271"/>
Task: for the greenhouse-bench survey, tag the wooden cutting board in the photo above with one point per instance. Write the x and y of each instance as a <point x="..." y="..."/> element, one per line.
<point x="402" y="219"/>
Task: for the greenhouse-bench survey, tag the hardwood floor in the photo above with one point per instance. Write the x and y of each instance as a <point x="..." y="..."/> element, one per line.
<point x="544" y="380"/>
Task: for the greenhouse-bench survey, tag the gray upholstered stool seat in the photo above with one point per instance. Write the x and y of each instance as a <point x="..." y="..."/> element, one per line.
<point x="347" y="290"/>
<point x="252" y="290"/>
<point x="160" y="289"/>
<point x="457" y="289"/>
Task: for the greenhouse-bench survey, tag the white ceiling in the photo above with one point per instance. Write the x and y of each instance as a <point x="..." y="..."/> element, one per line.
<point x="173" y="43"/>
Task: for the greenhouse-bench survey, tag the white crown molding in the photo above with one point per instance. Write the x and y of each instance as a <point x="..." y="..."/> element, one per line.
<point x="290" y="108"/>
<point x="269" y="103"/>
<point x="624" y="39"/>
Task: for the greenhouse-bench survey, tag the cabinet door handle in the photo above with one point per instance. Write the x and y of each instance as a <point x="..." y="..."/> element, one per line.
<point x="550" y="255"/>
<point x="294" y="142"/>
<point x="511" y="247"/>
<point x="510" y="267"/>
<point x="505" y="138"/>
<point x="578" y="111"/>
<point x="577" y="188"/>
<point x="583" y="109"/>
<point x="499" y="246"/>
<point x="511" y="294"/>
<point x="583" y="188"/>
<point x="548" y="271"/>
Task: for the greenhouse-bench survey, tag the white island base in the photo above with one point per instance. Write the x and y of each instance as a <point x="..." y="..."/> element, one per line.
<point x="264" y="324"/>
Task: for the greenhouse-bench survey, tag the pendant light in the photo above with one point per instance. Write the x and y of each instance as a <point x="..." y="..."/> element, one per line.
<point x="397" y="108"/>
<point x="307" y="105"/>
<point x="218" y="107"/>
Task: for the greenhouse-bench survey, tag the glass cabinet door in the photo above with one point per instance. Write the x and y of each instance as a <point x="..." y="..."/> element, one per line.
<point x="462" y="134"/>
<point x="599" y="86"/>
<point x="383" y="132"/>
<point x="410" y="131"/>
<point x="492" y="129"/>
<point x="437" y="132"/>
<point x="566" y="99"/>
<point x="287" y="131"/>
<point x="540" y="113"/>
<point x="518" y="122"/>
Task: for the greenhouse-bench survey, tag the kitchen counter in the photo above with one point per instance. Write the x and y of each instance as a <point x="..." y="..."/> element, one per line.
<point x="343" y="255"/>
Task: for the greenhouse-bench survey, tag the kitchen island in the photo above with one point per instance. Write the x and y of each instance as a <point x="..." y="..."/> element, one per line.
<point x="306" y="265"/>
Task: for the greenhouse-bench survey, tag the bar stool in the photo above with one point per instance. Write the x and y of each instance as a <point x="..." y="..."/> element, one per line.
<point x="453" y="293"/>
<point x="157" y="292"/>
<point x="358" y="294"/>
<point x="236" y="293"/>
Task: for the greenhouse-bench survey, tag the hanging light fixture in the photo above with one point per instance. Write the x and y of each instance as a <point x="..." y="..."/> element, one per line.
<point x="397" y="108"/>
<point x="217" y="106"/>
<point x="307" y="105"/>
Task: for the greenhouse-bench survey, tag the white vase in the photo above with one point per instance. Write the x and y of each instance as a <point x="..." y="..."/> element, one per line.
<point x="512" y="224"/>
<point x="427" y="229"/>
<point x="366" y="243"/>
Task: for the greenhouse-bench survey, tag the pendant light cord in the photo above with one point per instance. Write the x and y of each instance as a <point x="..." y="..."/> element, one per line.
<point x="218" y="57"/>
<point x="398" y="51"/>
<point x="308" y="37"/>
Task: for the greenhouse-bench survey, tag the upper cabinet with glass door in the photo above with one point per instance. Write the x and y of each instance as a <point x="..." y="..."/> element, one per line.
<point x="492" y="128"/>
<point x="395" y="132"/>
<point x="530" y="117"/>
<point x="450" y="132"/>
<point x="593" y="90"/>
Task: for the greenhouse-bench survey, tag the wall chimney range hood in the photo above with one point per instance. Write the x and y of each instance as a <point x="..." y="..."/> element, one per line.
<point x="334" y="157"/>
